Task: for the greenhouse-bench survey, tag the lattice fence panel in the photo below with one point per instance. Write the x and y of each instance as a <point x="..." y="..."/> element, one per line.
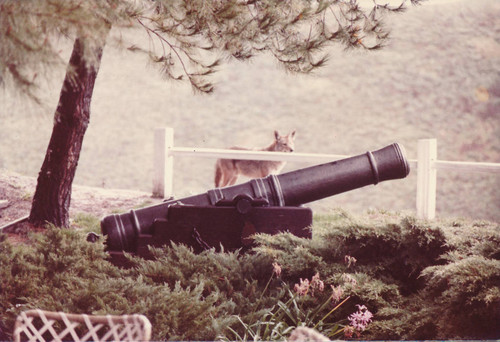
<point x="39" y="325"/>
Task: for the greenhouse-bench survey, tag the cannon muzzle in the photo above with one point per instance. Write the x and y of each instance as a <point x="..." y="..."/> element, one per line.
<point x="286" y="190"/>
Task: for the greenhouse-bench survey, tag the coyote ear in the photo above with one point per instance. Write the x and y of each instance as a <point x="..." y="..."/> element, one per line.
<point x="292" y="134"/>
<point x="276" y="135"/>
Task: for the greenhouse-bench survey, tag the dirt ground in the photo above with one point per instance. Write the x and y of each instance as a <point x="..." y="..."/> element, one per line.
<point x="16" y="192"/>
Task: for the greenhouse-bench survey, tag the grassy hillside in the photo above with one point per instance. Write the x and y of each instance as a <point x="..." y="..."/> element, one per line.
<point x="439" y="77"/>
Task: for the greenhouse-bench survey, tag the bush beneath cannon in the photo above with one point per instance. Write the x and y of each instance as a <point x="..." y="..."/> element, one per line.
<point x="421" y="280"/>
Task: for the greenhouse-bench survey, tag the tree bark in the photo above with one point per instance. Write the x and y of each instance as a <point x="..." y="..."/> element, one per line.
<point x="52" y="197"/>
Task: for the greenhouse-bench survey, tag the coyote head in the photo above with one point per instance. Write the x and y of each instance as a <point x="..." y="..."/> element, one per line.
<point x="284" y="143"/>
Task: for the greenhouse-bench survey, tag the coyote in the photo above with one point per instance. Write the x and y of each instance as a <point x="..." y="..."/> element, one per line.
<point x="228" y="170"/>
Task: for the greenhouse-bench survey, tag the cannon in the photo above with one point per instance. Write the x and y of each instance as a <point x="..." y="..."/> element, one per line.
<point x="228" y="217"/>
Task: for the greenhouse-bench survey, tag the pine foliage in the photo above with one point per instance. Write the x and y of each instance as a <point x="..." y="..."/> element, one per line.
<point x="31" y="30"/>
<point x="420" y="279"/>
<point x="188" y="39"/>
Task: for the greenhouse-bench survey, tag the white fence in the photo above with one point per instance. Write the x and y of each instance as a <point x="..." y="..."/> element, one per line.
<point x="426" y="165"/>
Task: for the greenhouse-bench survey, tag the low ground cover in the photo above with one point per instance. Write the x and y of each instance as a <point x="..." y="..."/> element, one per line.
<point x="405" y="278"/>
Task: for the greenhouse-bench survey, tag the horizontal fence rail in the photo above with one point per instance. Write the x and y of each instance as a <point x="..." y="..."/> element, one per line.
<point x="261" y="155"/>
<point x="467" y="166"/>
<point x="426" y="165"/>
<point x="253" y="155"/>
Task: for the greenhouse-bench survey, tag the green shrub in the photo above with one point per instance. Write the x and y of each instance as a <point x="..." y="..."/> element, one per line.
<point x="60" y="271"/>
<point x="413" y="274"/>
<point x="420" y="279"/>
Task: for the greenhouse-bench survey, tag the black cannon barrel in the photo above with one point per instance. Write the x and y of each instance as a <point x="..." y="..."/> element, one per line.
<point x="320" y="181"/>
<point x="288" y="189"/>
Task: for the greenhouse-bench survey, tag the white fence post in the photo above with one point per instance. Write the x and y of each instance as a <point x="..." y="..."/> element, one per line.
<point x="426" y="178"/>
<point x="163" y="162"/>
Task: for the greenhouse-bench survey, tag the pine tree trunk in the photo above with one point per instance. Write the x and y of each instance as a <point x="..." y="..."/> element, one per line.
<point x="52" y="196"/>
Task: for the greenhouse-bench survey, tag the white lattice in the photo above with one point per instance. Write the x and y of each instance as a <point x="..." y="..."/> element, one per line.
<point x="38" y="325"/>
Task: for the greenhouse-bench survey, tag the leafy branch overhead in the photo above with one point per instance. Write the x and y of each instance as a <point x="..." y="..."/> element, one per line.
<point x="189" y="39"/>
<point x="184" y="35"/>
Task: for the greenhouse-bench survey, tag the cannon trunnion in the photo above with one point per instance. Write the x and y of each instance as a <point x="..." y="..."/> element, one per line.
<point x="228" y="217"/>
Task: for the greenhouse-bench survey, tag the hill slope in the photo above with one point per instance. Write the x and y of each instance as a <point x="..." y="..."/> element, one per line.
<point x="439" y="77"/>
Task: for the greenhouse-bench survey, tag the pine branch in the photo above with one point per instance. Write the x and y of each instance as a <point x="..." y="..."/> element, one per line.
<point x="187" y="33"/>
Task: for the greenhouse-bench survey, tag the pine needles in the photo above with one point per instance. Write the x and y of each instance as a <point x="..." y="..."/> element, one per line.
<point x="187" y="39"/>
<point x="421" y="280"/>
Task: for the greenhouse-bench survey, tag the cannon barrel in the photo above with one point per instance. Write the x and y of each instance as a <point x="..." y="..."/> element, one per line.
<point x="288" y="189"/>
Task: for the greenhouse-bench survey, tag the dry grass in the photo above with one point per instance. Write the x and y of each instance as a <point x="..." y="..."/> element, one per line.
<point x="440" y="77"/>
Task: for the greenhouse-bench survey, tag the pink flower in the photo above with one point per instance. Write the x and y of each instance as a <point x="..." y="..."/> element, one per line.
<point x="350" y="261"/>
<point x="337" y="293"/>
<point x="347" y="278"/>
<point x="316" y="284"/>
<point x="277" y="269"/>
<point x="348" y="331"/>
<point x="361" y="318"/>
<point x="303" y="288"/>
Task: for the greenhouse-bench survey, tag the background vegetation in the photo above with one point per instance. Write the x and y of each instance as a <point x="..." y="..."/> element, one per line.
<point x="437" y="78"/>
<point x="421" y="280"/>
